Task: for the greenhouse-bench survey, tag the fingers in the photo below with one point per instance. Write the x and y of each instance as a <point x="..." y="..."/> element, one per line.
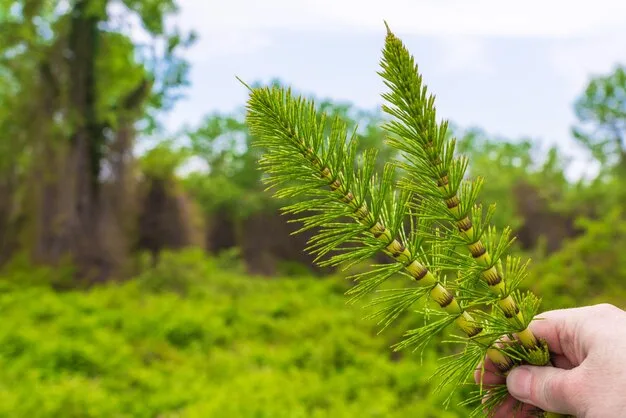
<point x="571" y="335"/>
<point x="558" y="328"/>
<point x="512" y="408"/>
<point x="548" y="388"/>
<point x="573" y="332"/>
<point x="562" y="362"/>
<point x="488" y="371"/>
<point x="488" y="374"/>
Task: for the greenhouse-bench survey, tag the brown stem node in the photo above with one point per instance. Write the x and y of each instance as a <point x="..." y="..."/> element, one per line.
<point x="464" y="224"/>
<point x="453" y="202"/>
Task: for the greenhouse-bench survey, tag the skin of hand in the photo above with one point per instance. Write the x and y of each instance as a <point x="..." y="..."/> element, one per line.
<point x="588" y="347"/>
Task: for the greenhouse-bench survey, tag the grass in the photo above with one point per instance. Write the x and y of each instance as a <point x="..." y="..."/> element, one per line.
<point x="192" y="339"/>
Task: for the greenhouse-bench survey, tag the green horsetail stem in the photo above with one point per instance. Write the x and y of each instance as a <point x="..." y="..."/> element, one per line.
<point x="480" y="255"/>
<point x="292" y="129"/>
<point x="414" y="97"/>
<point x="400" y="253"/>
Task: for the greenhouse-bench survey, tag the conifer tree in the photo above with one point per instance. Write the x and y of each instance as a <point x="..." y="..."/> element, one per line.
<point x="421" y="211"/>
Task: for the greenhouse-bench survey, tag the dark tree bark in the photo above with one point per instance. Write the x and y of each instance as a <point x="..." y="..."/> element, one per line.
<point x="81" y="215"/>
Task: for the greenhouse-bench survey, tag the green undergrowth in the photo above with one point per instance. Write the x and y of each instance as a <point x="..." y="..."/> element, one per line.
<point x="590" y="268"/>
<point x="192" y="339"/>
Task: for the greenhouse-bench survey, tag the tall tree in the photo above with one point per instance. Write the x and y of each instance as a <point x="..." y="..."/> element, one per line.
<point x="81" y="86"/>
<point x="601" y="112"/>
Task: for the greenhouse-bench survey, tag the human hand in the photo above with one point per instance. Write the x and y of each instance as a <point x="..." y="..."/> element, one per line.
<point x="588" y="347"/>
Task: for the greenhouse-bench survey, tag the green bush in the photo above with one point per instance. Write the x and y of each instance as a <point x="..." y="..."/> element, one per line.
<point x="191" y="339"/>
<point x="176" y="272"/>
<point x="20" y="271"/>
<point x="589" y="269"/>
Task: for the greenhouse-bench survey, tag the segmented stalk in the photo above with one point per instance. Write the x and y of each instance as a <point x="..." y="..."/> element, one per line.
<point x="292" y="130"/>
<point x="396" y="249"/>
<point x="424" y="277"/>
<point x="420" y="117"/>
<point x="482" y="258"/>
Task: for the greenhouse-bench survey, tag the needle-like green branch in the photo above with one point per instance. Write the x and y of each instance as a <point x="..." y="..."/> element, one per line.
<point x="353" y="206"/>
<point x="432" y="171"/>
<point x="420" y="222"/>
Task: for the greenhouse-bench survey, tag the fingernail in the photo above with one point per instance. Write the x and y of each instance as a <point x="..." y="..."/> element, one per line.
<point x="518" y="383"/>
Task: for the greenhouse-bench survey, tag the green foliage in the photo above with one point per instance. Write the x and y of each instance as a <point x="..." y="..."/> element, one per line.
<point x="589" y="269"/>
<point x="119" y="74"/>
<point x="20" y="272"/>
<point x="121" y="63"/>
<point x="505" y="165"/>
<point x="175" y="272"/>
<point x="77" y="85"/>
<point x="230" y="180"/>
<point x="163" y="160"/>
<point x="222" y="142"/>
<point x="601" y="112"/>
<point x="366" y="124"/>
<point x="234" y="346"/>
<point x="152" y="13"/>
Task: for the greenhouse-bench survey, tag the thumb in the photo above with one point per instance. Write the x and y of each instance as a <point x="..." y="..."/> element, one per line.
<point x="548" y="388"/>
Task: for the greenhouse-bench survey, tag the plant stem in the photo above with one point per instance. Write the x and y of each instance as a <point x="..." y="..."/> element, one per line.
<point x="402" y="254"/>
<point x="292" y="132"/>
<point x="490" y="274"/>
<point x="418" y="113"/>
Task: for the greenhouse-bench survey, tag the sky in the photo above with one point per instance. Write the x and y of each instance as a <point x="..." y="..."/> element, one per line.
<point x="513" y="69"/>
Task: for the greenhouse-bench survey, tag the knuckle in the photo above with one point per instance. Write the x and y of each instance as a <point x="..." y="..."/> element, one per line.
<point x="571" y="391"/>
<point x="607" y="309"/>
<point x="559" y="389"/>
<point x="575" y="392"/>
<point x="553" y="388"/>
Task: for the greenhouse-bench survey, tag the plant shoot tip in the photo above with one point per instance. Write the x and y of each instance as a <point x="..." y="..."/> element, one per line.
<point x="387" y="27"/>
<point x="243" y="82"/>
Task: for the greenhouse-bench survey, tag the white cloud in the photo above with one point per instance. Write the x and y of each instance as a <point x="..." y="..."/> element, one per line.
<point x="230" y="43"/>
<point x="576" y="60"/>
<point x="574" y="39"/>
<point x="242" y="26"/>
<point x="555" y="18"/>
<point x="463" y="54"/>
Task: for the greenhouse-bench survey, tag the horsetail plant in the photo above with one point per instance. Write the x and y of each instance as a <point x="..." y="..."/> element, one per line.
<point x="421" y="221"/>
<point x="434" y="173"/>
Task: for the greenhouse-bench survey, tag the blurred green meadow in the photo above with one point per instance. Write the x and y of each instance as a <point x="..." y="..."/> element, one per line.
<point x="193" y="338"/>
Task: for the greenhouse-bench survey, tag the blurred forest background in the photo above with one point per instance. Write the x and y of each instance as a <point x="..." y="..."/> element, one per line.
<point x="145" y="277"/>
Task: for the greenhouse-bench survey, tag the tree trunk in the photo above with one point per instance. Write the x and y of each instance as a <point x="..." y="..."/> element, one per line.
<point x="81" y="214"/>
